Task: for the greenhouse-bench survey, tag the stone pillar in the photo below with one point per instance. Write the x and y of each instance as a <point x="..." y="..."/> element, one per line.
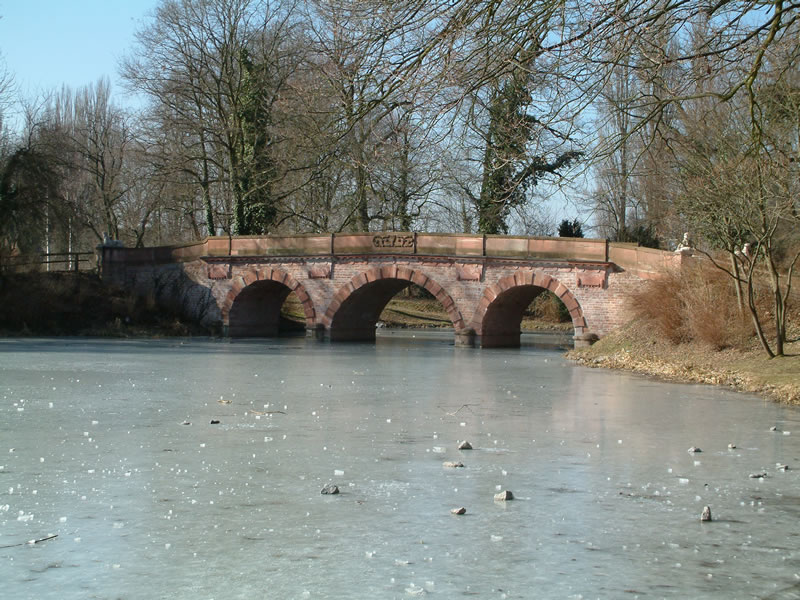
<point x="112" y="262"/>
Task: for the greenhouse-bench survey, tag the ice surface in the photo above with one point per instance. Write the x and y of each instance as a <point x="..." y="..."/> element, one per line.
<point x="233" y="510"/>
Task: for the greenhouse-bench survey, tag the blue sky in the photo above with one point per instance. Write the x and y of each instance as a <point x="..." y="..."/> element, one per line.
<point x="48" y="43"/>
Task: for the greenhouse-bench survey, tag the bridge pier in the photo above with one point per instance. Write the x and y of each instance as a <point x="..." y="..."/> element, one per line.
<point x="317" y="332"/>
<point x="465" y="338"/>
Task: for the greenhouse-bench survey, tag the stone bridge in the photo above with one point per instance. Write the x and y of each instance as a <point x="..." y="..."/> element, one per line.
<point x="343" y="281"/>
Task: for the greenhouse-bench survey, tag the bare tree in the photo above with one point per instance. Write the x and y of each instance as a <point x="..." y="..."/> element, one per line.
<point x="90" y="141"/>
<point x="215" y="70"/>
<point x="740" y="177"/>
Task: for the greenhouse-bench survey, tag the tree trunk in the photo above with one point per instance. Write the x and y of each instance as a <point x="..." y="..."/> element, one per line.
<point x="738" y="283"/>
<point x="751" y="303"/>
<point x="780" y="308"/>
<point x="205" y="186"/>
<point x="362" y="206"/>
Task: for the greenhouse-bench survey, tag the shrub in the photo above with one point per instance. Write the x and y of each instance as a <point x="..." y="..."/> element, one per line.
<point x="697" y="303"/>
<point x="644" y="235"/>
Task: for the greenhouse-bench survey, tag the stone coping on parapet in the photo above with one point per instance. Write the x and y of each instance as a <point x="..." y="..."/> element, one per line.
<point x="422" y="258"/>
<point x="421" y="246"/>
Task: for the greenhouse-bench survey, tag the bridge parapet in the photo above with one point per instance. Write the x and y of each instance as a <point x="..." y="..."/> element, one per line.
<point x="645" y="262"/>
<point x="337" y="244"/>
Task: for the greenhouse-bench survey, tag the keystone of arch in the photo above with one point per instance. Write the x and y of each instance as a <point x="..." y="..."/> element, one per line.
<point x="394" y="272"/>
<point x="251" y="276"/>
<point x="521" y="278"/>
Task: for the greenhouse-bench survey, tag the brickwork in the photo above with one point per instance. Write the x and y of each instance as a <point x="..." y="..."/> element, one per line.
<point x="343" y="295"/>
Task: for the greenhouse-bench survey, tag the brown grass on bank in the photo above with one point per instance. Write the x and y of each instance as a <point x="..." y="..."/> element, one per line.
<point x="687" y="327"/>
<point x="638" y="348"/>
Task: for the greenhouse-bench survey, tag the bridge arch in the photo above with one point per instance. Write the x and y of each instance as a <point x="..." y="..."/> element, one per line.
<point x="252" y="306"/>
<point x="356" y="307"/>
<point x="497" y="319"/>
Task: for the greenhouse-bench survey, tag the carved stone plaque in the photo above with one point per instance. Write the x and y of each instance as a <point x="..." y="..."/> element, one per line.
<point x="592" y="280"/>
<point x="319" y="272"/>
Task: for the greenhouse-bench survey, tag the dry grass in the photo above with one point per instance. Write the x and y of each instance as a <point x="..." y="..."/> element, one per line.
<point x="405" y="311"/>
<point x="697" y="304"/>
<point x="639" y="348"/>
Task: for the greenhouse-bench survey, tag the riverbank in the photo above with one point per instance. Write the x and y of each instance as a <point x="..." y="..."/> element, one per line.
<point x="638" y="349"/>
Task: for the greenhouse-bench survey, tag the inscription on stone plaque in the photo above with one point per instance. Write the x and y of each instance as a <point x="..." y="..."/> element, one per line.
<point x="393" y="241"/>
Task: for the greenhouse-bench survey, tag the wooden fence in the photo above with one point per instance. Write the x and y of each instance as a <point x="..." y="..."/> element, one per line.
<point x="54" y="261"/>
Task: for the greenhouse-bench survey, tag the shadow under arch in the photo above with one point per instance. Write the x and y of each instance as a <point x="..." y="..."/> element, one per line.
<point x="499" y="314"/>
<point x="356" y="307"/>
<point x="252" y="308"/>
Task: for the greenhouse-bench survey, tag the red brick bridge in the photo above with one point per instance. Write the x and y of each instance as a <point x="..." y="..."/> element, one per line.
<point x="344" y="281"/>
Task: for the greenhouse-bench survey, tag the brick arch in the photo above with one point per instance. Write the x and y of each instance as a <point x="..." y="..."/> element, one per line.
<point x="393" y="273"/>
<point x="253" y="275"/>
<point x="528" y="279"/>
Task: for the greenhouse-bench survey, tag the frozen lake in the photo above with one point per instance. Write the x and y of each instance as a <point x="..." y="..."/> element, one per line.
<point x="94" y="449"/>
